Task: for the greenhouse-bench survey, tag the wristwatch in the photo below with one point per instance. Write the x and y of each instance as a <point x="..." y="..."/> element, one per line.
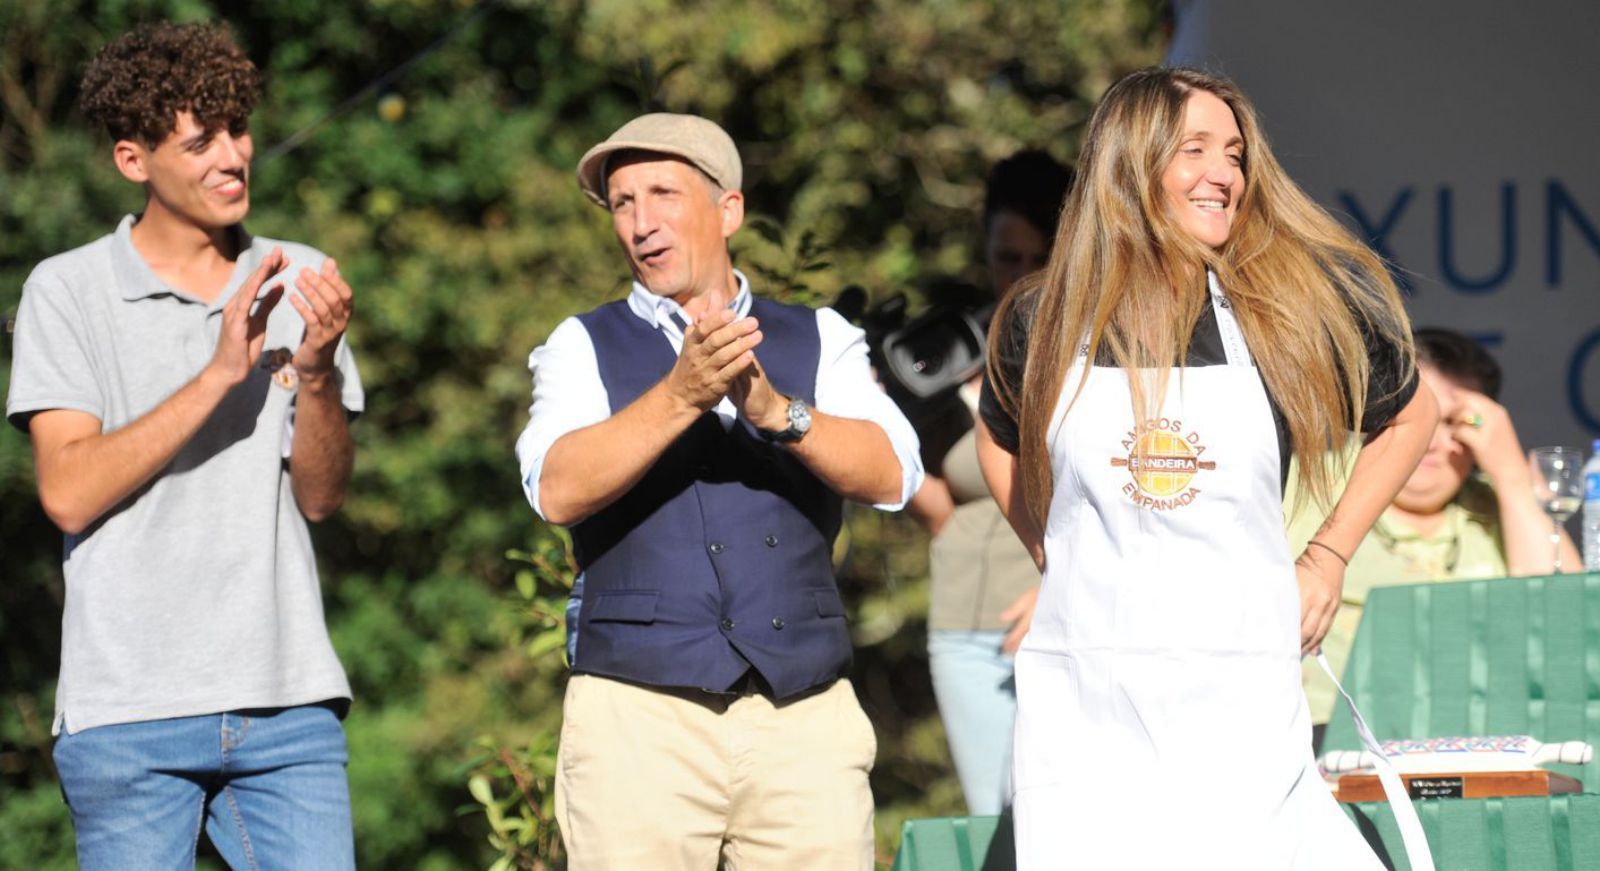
<point x="799" y="424"/>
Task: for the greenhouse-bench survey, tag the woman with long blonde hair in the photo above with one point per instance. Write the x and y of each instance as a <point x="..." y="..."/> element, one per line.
<point x="1200" y="321"/>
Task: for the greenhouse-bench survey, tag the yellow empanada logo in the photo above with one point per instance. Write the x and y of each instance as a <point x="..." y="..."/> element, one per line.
<point x="1162" y="461"/>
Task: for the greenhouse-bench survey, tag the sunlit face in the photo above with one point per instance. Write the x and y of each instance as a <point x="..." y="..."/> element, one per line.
<point x="1446" y="465"/>
<point x="1205" y="179"/>
<point x="671" y="223"/>
<point x="1013" y="247"/>
<point x="201" y="176"/>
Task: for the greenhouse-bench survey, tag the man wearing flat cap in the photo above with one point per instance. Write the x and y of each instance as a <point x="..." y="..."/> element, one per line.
<point x="698" y="441"/>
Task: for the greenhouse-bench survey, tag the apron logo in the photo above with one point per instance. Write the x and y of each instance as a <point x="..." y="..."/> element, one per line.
<point x="1163" y="463"/>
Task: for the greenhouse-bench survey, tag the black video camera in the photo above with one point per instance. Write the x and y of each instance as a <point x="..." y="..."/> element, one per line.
<point x="923" y="361"/>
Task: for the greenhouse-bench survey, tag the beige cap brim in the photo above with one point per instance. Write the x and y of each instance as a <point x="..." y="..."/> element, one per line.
<point x="592" y="168"/>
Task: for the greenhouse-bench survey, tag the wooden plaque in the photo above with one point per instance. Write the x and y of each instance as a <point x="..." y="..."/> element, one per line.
<point x="1471" y="784"/>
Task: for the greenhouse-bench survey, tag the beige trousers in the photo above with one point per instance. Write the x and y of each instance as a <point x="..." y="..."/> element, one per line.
<point x="683" y="779"/>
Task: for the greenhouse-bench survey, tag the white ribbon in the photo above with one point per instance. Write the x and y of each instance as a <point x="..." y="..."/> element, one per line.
<point x="1405" y="815"/>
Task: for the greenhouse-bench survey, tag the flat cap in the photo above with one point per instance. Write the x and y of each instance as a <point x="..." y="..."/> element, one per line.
<point x="695" y="139"/>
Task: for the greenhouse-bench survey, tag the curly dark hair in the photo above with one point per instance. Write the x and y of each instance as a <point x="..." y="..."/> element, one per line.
<point x="136" y="86"/>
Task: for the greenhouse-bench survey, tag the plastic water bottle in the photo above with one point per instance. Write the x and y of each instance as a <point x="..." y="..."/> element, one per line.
<point x="1591" y="510"/>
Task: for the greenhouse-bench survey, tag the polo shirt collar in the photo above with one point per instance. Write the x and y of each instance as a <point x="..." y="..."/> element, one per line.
<point x="138" y="281"/>
<point x="666" y="315"/>
<point x="1400" y="532"/>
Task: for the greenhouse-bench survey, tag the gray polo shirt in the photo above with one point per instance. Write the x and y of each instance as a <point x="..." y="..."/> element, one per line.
<point x="199" y="593"/>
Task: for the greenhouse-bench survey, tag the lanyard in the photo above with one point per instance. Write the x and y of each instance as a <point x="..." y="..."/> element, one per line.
<point x="1232" y="337"/>
<point x="1416" y="551"/>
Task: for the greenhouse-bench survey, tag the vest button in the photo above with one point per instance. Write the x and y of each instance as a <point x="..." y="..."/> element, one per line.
<point x="772" y="541"/>
<point x="727" y="625"/>
<point x="777" y="622"/>
<point x="716" y="547"/>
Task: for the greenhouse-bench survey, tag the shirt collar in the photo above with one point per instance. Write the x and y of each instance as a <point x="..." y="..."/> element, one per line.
<point x="1399" y="532"/>
<point x="138" y="281"/>
<point x="666" y="315"/>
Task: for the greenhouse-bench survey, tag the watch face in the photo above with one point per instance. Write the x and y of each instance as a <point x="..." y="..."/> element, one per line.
<point x="799" y="416"/>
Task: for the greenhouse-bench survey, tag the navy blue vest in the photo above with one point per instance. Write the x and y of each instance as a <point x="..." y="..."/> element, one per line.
<point x="720" y="558"/>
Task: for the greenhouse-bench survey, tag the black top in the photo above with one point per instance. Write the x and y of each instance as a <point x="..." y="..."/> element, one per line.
<point x="1385" y="395"/>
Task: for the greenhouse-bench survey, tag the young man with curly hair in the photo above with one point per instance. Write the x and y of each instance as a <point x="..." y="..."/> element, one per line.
<point x="185" y="426"/>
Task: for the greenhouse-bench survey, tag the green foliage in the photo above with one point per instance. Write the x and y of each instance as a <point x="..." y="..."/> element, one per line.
<point x="449" y="200"/>
<point x="515" y="786"/>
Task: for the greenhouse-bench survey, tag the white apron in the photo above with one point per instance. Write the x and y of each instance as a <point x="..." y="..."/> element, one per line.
<point x="1160" y="717"/>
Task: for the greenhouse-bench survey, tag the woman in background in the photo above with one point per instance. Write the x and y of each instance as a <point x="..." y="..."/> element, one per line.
<point x="1446" y="523"/>
<point x="1200" y="320"/>
<point x="982" y="579"/>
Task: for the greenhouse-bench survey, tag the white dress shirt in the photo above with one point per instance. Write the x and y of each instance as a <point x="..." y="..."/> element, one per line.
<point x="569" y="395"/>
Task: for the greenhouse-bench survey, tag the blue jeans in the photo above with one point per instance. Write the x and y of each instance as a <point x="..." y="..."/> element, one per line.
<point x="269" y="784"/>
<point x="977" y="696"/>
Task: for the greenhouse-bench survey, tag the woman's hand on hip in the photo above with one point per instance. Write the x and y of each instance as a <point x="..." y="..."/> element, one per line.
<point x="1321" y="578"/>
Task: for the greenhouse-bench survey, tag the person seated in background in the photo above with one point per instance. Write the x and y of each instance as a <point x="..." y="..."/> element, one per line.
<point x="983" y="580"/>
<point x="1467" y="511"/>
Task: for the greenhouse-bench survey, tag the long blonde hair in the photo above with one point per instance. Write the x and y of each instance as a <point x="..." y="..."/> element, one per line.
<point x="1124" y="276"/>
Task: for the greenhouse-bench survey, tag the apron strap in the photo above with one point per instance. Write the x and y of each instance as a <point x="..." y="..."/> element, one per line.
<point x="1405" y="815"/>
<point x="1233" y="345"/>
<point x="1232" y="337"/>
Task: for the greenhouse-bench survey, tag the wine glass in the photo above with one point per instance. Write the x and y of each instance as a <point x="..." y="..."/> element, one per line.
<point x="1558" y="485"/>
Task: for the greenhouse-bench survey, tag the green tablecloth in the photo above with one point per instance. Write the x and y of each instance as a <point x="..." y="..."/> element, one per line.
<point x="1561" y="833"/>
<point x="1496" y="834"/>
<point x="956" y="844"/>
<point x="1519" y="656"/>
<point x="1515" y="656"/>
